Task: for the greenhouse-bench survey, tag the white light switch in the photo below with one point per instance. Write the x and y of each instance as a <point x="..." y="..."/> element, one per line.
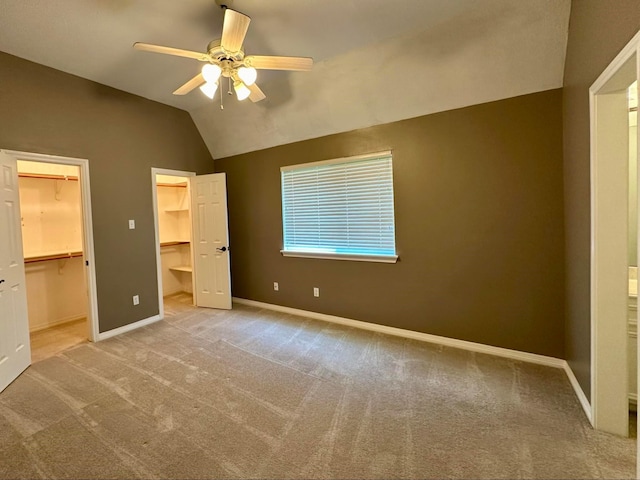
<point x="132" y="224"/>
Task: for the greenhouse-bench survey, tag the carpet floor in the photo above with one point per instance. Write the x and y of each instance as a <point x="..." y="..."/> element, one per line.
<point x="251" y="393"/>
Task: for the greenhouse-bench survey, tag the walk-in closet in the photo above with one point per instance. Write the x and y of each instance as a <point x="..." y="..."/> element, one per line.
<point x="174" y="231"/>
<point x="51" y="216"/>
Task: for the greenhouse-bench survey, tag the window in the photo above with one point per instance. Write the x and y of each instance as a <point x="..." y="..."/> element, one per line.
<point x="340" y="209"/>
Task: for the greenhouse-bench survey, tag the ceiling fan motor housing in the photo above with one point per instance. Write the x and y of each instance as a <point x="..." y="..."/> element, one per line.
<point x="215" y="50"/>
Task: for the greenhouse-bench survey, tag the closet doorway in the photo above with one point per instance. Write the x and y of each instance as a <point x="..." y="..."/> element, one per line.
<point x="173" y="237"/>
<point x="56" y="224"/>
<point x="192" y="239"/>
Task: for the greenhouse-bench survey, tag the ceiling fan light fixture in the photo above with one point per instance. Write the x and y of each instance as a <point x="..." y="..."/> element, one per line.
<point x="209" y="89"/>
<point x="242" y="92"/>
<point x="211" y="72"/>
<point x="248" y="75"/>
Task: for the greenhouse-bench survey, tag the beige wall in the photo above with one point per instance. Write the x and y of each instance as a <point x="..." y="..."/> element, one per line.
<point x="479" y="228"/>
<point x="122" y="136"/>
<point x="598" y="30"/>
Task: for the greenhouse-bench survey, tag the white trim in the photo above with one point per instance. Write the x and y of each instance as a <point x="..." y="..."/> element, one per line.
<point x="625" y="54"/>
<point x="425" y="337"/>
<point x="582" y="398"/>
<point x="355" y="158"/>
<point x="87" y="229"/>
<point x="342" y="256"/>
<point x="607" y="370"/>
<point x="71" y="319"/>
<point x="127" y="328"/>
<point x="154" y="195"/>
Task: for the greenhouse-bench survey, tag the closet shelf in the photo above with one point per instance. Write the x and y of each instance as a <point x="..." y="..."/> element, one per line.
<point x="177" y="210"/>
<point x="182" y="268"/>
<point x="48" y="176"/>
<point x="53" y="256"/>
<point x="180" y="185"/>
<point x="174" y="243"/>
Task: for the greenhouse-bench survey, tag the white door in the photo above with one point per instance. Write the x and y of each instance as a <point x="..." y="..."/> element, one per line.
<point x="210" y="241"/>
<point x="15" y="351"/>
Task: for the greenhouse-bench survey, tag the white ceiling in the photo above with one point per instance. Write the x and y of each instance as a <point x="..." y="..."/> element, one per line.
<point x="376" y="60"/>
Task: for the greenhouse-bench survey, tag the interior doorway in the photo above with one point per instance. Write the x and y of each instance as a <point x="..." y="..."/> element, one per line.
<point x="57" y="246"/>
<point x="192" y="238"/>
<point x="172" y="206"/>
<point x="614" y="212"/>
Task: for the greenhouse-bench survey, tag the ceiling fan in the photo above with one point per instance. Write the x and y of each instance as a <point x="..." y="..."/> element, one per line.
<point x="225" y="58"/>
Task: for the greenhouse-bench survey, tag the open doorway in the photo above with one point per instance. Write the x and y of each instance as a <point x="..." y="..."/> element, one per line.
<point x="173" y="238"/>
<point x="51" y="218"/>
<point x="614" y="245"/>
<point x="192" y="239"/>
<point x="57" y="250"/>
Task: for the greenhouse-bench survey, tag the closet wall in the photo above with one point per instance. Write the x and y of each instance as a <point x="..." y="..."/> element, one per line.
<point x="51" y="217"/>
<point x="174" y="228"/>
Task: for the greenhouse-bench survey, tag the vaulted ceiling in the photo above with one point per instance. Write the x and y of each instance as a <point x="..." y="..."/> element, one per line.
<point x="376" y="61"/>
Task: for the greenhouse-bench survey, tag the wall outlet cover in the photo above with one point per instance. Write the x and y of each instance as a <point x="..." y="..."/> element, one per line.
<point x="276" y="286"/>
<point x="132" y="224"/>
<point x="316" y="292"/>
<point x="136" y="299"/>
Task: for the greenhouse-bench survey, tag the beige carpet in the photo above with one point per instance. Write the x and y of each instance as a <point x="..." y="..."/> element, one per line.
<point x="256" y="394"/>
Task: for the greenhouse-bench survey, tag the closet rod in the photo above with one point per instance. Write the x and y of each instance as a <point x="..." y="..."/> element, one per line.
<point x="171" y="244"/>
<point x="54" y="256"/>
<point x="182" y="185"/>
<point x="48" y="176"/>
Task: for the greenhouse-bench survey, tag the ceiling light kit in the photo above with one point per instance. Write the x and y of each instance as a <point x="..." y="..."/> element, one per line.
<point x="225" y="58"/>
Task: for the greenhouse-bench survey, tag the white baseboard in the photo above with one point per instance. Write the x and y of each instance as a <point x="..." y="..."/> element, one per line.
<point x="128" y="328"/>
<point x="73" y="318"/>
<point x="436" y="339"/>
<point x="425" y="337"/>
<point x="586" y="406"/>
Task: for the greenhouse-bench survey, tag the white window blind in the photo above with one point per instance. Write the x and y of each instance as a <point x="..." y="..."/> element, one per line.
<point x="340" y="208"/>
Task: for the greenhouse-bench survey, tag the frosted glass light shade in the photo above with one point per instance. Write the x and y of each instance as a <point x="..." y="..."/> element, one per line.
<point x="211" y="72"/>
<point x="242" y="91"/>
<point x="248" y="75"/>
<point x="209" y="89"/>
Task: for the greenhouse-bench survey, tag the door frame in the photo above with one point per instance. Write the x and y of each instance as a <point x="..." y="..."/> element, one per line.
<point x="609" y="239"/>
<point x="87" y="228"/>
<point x="154" y="192"/>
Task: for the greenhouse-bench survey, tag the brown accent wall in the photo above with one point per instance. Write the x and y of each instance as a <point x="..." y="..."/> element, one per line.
<point x="598" y="30"/>
<point x="47" y="111"/>
<point x="479" y="227"/>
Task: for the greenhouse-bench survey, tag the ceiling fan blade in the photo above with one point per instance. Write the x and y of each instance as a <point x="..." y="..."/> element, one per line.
<point x="234" y="29"/>
<point x="148" y="47"/>
<point x="190" y="85"/>
<point x="256" y="94"/>
<point x="300" y="64"/>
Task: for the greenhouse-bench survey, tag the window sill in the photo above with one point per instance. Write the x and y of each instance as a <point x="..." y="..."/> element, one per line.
<point x="342" y="256"/>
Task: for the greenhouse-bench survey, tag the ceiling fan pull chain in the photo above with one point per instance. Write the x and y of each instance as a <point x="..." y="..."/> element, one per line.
<point x="229" y="91"/>
<point x="221" y="105"/>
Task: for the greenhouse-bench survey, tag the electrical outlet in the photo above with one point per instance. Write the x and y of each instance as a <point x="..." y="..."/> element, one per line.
<point x="136" y="299"/>
<point x="316" y="292"/>
<point x="132" y="224"/>
<point x="275" y="286"/>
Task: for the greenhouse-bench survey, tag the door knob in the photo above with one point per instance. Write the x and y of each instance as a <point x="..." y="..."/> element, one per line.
<point x="222" y="249"/>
